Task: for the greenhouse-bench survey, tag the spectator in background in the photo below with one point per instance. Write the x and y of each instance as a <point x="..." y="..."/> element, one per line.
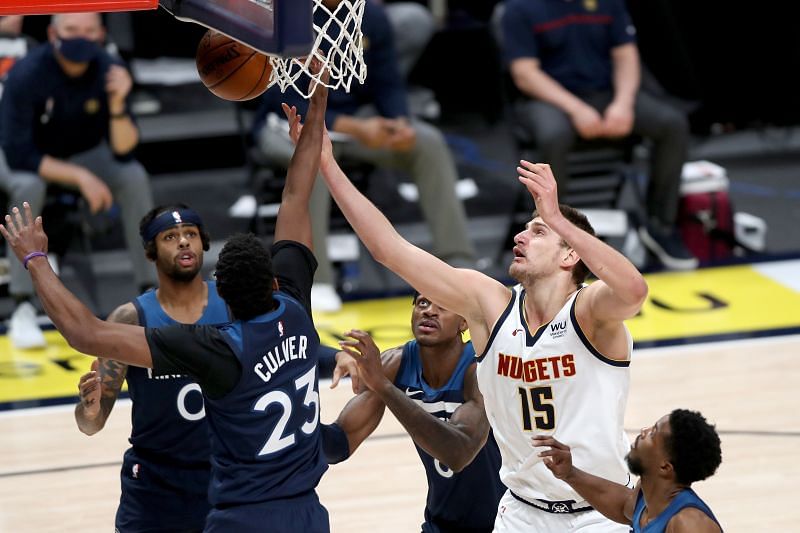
<point x="413" y="27"/>
<point x="64" y="119"/>
<point x="579" y="65"/>
<point x="376" y="116"/>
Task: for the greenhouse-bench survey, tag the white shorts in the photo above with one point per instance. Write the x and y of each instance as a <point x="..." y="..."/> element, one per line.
<point x="514" y="516"/>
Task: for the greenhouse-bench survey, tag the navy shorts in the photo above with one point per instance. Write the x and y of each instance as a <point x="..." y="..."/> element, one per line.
<point x="157" y="497"/>
<point x="301" y="514"/>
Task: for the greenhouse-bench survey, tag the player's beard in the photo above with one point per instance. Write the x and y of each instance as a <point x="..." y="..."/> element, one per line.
<point x="176" y="273"/>
<point x="634" y="465"/>
<point x="518" y="273"/>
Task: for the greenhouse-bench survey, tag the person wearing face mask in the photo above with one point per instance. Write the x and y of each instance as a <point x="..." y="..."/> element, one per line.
<point x="64" y="119"/>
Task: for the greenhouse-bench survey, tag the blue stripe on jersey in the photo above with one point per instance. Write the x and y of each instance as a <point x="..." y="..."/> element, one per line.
<point x="265" y="437"/>
<point x="466" y="500"/>
<point x="168" y="417"/>
<point x="685" y="498"/>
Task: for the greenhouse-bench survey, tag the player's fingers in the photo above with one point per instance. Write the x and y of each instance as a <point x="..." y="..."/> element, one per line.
<point x="351" y="351"/>
<point x="4" y="232"/>
<point x="336" y="375"/>
<point x="542" y="440"/>
<point x="87" y="388"/>
<point x="355" y="381"/>
<point x="90" y="374"/>
<point x="18" y="217"/>
<point x="26" y="208"/>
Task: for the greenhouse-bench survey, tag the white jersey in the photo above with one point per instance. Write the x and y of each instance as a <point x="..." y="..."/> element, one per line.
<point x="553" y="382"/>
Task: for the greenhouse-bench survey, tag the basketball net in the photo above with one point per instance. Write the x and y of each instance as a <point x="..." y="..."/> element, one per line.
<point x="338" y="46"/>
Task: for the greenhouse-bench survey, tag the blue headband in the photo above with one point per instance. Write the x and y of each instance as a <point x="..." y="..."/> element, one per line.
<point x="169" y="219"/>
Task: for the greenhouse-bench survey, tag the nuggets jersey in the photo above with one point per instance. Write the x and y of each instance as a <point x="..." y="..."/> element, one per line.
<point x="265" y="438"/>
<point x="553" y="382"/>
<point x="461" y="501"/>
<point x="168" y="416"/>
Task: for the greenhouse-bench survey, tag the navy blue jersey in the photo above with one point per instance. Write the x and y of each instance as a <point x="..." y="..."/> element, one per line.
<point x="168" y="416"/>
<point x="265" y="438"/>
<point x="463" y="501"/>
<point x="572" y="40"/>
<point x="685" y="498"/>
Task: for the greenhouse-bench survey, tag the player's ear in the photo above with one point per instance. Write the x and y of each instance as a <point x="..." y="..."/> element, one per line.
<point x="570" y="257"/>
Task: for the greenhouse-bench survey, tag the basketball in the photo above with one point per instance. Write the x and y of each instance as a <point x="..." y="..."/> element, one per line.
<point x="231" y="70"/>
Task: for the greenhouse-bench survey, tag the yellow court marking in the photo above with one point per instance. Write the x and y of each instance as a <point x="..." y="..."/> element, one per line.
<point x="714" y="301"/>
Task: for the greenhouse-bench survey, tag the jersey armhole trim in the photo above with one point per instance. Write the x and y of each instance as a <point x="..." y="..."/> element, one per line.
<point x="139" y="312"/>
<point x="587" y="344"/>
<point x="499" y="324"/>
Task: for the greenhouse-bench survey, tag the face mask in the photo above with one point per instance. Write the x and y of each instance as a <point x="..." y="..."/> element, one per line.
<point x="77" y="49"/>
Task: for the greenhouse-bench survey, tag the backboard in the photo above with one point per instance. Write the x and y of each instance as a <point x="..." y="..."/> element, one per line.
<point x="277" y="27"/>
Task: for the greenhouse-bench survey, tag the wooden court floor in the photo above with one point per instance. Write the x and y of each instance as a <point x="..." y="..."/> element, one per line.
<point x="55" y="479"/>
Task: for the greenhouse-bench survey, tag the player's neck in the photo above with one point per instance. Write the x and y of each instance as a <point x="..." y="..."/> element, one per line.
<point x="545" y="298"/>
<point x="658" y="494"/>
<point x="183" y="301"/>
<point x="439" y="362"/>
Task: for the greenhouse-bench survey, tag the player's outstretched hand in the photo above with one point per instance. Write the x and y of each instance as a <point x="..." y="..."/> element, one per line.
<point x="539" y="180"/>
<point x="368" y="357"/>
<point x="295" y="125"/>
<point x="558" y="458"/>
<point x="24" y="234"/>
<point x="90" y="389"/>
<point x="346" y="365"/>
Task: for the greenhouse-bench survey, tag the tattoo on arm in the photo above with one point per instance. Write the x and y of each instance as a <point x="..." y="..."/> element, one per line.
<point x="112" y="373"/>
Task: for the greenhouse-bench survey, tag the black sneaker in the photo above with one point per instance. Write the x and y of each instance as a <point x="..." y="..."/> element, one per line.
<point x="668" y="247"/>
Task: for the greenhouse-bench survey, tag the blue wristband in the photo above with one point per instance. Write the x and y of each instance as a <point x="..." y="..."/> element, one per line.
<point x="335" y="446"/>
<point x="31" y="256"/>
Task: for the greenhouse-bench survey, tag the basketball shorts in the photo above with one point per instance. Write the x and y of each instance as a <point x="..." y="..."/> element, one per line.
<point x="161" y="498"/>
<point x="514" y="516"/>
<point x="291" y="515"/>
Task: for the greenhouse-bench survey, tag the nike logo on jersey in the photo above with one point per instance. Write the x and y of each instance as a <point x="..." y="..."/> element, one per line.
<point x="413" y="393"/>
<point x="518" y="330"/>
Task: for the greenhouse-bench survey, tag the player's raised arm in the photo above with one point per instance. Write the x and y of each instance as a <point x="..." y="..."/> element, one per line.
<point x="622" y="289"/>
<point x="82" y="330"/>
<point x="294" y="221"/>
<point x="473" y="295"/>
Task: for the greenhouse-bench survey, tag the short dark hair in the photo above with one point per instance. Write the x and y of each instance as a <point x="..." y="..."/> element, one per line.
<point x="150" y="246"/>
<point x="580" y="271"/>
<point x="693" y="446"/>
<point x="245" y="276"/>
